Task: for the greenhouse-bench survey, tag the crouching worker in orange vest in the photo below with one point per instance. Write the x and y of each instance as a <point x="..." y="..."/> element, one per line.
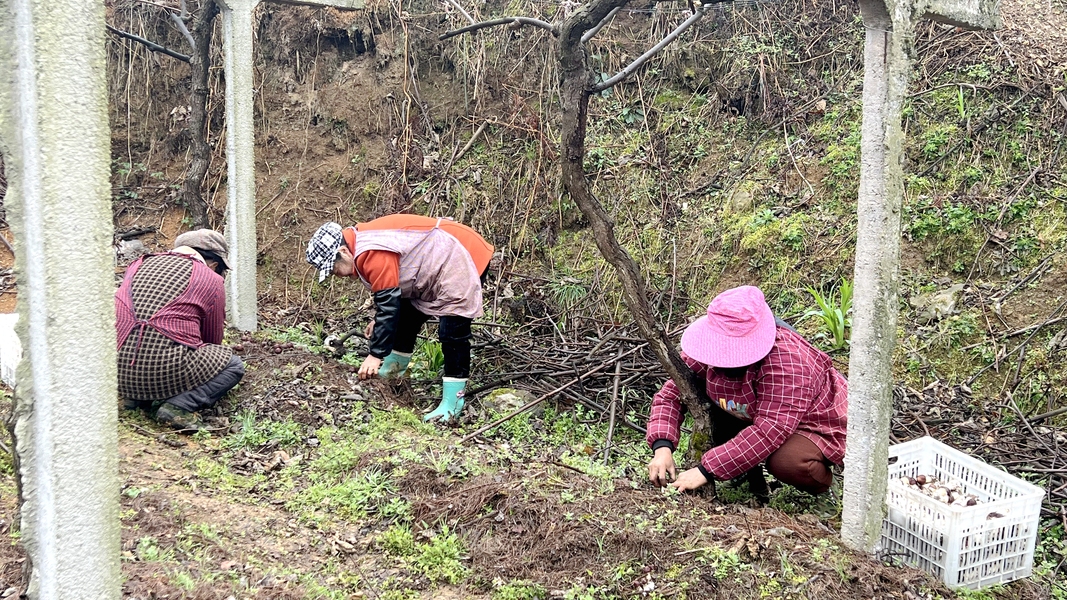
<point x="416" y="267"/>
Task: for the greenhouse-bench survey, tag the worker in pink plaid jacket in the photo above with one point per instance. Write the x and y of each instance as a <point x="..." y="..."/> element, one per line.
<point x="774" y="398"/>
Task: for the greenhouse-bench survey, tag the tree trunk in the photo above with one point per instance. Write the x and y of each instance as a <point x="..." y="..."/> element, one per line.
<point x="576" y="81"/>
<point x="200" y="64"/>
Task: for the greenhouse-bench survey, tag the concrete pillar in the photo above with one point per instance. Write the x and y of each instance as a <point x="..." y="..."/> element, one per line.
<point x="56" y="143"/>
<point x="238" y="50"/>
<point x="888" y="55"/>
<point x="874" y="321"/>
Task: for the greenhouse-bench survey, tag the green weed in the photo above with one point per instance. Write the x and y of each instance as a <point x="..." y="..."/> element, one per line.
<point x="428" y="360"/>
<point x="568" y="292"/>
<point x="587" y="592"/>
<point x="148" y="550"/>
<point x="353" y="499"/>
<point x="398" y="541"/>
<point x="399" y="595"/>
<point x="722" y="563"/>
<point x="222" y="478"/>
<point x="834" y="312"/>
<point x="518" y="590"/>
<point x="256" y="433"/>
<point x="439" y="560"/>
<point x="184" y="580"/>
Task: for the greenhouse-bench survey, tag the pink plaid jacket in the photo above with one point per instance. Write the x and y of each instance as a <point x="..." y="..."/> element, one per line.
<point x="795" y="389"/>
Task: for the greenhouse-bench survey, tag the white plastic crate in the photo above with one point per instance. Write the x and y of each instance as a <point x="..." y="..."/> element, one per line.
<point x="964" y="546"/>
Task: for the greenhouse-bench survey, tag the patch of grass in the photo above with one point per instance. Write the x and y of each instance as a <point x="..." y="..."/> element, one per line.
<point x="1049" y="555"/>
<point x="398" y="541"/>
<point x="184" y="580"/>
<point x="722" y="563"/>
<point x="518" y="428"/>
<point x="222" y="478"/>
<point x="334" y="587"/>
<point x="825" y="552"/>
<point x="439" y="559"/>
<point x="428" y="360"/>
<point x="399" y="595"/>
<point x="353" y="499"/>
<point x="255" y="433"/>
<point x="195" y="538"/>
<point x="587" y="592"/>
<point x="148" y="550"/>
<point x="518" y="590"/>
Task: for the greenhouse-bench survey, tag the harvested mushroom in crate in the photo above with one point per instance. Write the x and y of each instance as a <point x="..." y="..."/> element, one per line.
<point x="947" y="492"/>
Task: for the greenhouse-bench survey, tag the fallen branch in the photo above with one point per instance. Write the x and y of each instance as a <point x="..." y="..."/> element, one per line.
<point x="470" y="143"/>
<point x="614" y="401"/>
<point x="1048" y="415"/>
<point x="544" y="397"/>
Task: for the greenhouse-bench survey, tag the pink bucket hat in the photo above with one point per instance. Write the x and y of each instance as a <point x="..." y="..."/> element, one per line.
<point x="738" y="330"/>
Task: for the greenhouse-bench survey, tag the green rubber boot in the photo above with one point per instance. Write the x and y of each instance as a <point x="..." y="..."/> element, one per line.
<point x="395" y="365"/>
<point x="451" y="400"/>
<point x="178" y="418"/>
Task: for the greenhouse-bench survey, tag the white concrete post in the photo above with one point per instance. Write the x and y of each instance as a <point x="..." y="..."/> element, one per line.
<point x="238" y="51"/>
<point x="870" y="393"/>
<point x="56" y="142"/>
<point x="887" y="66"/>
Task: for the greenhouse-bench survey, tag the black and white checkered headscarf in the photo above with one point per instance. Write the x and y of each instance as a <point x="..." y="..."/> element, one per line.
<point x="323" y="247"/>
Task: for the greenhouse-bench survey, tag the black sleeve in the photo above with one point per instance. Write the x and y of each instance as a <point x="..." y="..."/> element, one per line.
<point x="387" y="307"/>
<point x="662" y="444"/>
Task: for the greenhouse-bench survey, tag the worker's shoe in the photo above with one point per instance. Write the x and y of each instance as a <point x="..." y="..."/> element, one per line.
<point x="394" y="365"/>
<point x="452" y="400"/>
<point x="178" y="418"/>
<point x="145" y="405"/>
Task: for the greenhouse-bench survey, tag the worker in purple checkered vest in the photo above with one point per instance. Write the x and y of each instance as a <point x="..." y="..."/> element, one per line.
<point x="170" y="311"/>
<point x="775" y="398"/>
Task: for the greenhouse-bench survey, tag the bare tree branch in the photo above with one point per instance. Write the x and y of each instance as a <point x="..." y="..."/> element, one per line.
<point x="513" y="21"/>
<point x="180" y="24"/>
<point x="575" y="92"/>
<point x="154" y="47"/>
<point x="576" y="88"/>
<point x="589" y="34"/>
<point x="465" y="13"/>
<point x="654" y="50"/>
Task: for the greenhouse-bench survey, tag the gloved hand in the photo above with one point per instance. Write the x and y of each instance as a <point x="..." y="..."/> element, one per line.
<point x="394" y="365"/>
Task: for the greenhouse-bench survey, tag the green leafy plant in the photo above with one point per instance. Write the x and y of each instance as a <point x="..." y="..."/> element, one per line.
<point x="834" y="311"/>
<point x="255" y="433"/>
<point x="439" y="560"/>
<point x="148" y="550"/>
<point x="518" y="590"/>
<point x="398" y="541"/>
<point x="427" y="360"/>
<point x="568" y="292"/>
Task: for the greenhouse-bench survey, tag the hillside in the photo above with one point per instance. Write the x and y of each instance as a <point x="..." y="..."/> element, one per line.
<point x="732" y="158"/>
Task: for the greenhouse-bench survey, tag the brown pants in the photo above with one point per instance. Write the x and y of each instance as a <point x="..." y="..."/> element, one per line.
<point x="798" y="461"/>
